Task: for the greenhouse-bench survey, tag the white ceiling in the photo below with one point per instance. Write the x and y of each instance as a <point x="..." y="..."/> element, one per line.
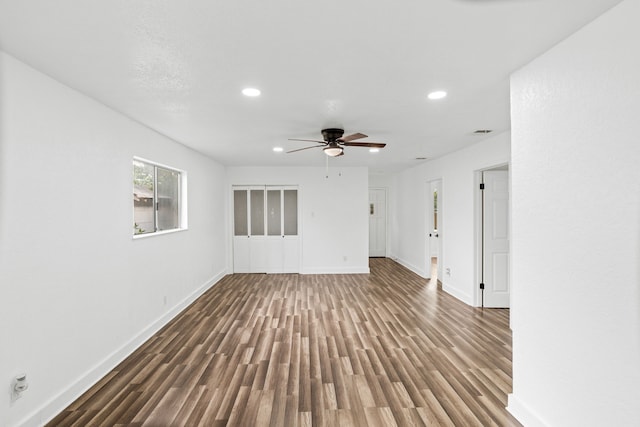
<point x="178" y="66"/>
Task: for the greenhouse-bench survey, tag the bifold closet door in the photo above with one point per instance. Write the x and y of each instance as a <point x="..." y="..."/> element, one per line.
<point x="274" y="231"/>
<point x="241" y="231"/>
<point x="283" y="246"/>
<point x="249" y="243"/>
<point x="290" y="238"/>
<point x="265" y="236"/>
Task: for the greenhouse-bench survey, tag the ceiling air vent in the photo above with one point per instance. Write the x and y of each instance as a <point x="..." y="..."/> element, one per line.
<point x="481" y="131"/>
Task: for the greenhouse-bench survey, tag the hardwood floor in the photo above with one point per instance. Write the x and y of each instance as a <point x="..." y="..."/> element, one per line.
<point x="382" y="349"/>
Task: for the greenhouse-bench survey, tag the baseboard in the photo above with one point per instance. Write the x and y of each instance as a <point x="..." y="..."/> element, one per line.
<point x="345" y="270"/>
<point x="462" y="296"/>
<point x="523" y="413"/>
<point x="419" y="271"/>
<point x="55" y="405"/>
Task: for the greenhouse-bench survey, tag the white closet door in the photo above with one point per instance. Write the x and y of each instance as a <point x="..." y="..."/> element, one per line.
<point x="265" y="238"/>
<point x="291" y="241"/>
<point x="274" y="231"/>
<point x="241" y="254"/>
<point x="257" y="242"/>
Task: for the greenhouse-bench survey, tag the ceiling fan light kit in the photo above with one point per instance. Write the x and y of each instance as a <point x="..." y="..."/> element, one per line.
<point x="333" y="150"/>
<point x="334" y="143"/>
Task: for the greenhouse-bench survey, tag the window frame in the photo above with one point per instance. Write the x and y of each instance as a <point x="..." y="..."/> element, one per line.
<point x="182" y="199"/>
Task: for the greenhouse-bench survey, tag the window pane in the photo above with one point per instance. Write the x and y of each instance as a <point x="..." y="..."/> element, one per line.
<point x="274" y="218"/>
<point x="168" y="197"/>
<point x="257" y="212"/>
<point x="291" y="212"/>
<point x="143" y="202"/>
<point x="240" y="224"/>
<point x="435" y="210"/>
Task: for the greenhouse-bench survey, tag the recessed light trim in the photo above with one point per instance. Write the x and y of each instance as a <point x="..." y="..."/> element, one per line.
<point x="374" y="150"/>
<point x="482" y="131"/>
<point x="278" y="149"/>
<point x="421" y="158"/>
<point x="437" y="94"/>
<point x="251" y="91"/>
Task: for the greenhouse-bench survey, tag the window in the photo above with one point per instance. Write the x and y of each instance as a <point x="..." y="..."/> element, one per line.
<point x="435" y="210"/>
<point x="157" y="198"/>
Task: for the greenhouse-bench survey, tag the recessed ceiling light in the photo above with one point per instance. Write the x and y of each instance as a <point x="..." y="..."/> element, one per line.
<point x="481" y="131"/>
<point x="278" y="149"/>
<point x="251" y="91"/>
<point x="374" y="150"/>
<point x="421" y="158"/>
<point x="438" y="94"/>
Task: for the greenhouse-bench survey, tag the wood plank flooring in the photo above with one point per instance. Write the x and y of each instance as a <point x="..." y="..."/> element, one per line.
<point x="382" y="349"/>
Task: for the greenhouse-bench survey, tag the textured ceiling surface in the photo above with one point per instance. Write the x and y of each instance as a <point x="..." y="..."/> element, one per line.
<point x="367" y="66"/>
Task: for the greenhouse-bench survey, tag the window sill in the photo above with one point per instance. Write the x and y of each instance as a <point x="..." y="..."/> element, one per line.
<point x="158" y="233"/>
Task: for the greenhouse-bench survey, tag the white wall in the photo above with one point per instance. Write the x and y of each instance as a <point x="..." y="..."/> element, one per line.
<point x="334" y="220"/>
<point x="576" y="229"/>
<point x="457" y="229"/>
<point x="380" y="180"/>
<point x="78" y="293"/>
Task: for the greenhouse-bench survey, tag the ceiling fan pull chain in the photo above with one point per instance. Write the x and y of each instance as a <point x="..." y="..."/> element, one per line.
<point x="327" y="167"/>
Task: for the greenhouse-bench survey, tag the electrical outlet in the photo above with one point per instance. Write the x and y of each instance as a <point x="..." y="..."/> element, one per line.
<point x="344" y="258"/>
<point x="448" y="271"/>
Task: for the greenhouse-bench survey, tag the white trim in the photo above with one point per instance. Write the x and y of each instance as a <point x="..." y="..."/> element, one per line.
<point x="157" y="233"/>
<point x="523" y="413"/>
<point x="151" y="162"/>
<point x="420" y="272"/>
<point x="439" y="182"/>
<point x="457" y="293"/>
<point x="183" y="217"/>
<point x="56" y="404"/>
<point x="333" y="270"/>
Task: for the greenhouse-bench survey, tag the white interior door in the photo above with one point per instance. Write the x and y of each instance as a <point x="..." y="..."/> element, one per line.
<point x="496" y="239"/>
<point x="274" y="231"/>
<point x="258" y="259"/>
<point x="290" y="237"/>
<point x="241" y="235"/>
<point x="377" y="222"/>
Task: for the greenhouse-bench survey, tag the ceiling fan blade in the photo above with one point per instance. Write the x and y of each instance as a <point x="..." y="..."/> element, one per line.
<point x="308" y="140"/>
<point x="352" y="137"/>
<point x="305" y="148"/>
<point x="364" y="144"/>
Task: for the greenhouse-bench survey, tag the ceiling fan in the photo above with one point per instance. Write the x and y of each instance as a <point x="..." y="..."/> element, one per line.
<point x="334" y="143"/>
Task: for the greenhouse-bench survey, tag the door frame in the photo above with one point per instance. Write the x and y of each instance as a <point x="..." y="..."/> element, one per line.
<point x="386" y="218"/>
<point x="428" y="226"/>
<point x="477" y="295"/>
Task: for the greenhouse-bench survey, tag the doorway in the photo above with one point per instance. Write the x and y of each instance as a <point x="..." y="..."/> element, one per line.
<point x="493" y="238"/>
<point x="434" y="227"/>
<point x="377" y="222"/>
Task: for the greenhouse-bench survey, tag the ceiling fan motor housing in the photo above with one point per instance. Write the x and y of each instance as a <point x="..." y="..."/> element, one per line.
<point x="331" y="134"/>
